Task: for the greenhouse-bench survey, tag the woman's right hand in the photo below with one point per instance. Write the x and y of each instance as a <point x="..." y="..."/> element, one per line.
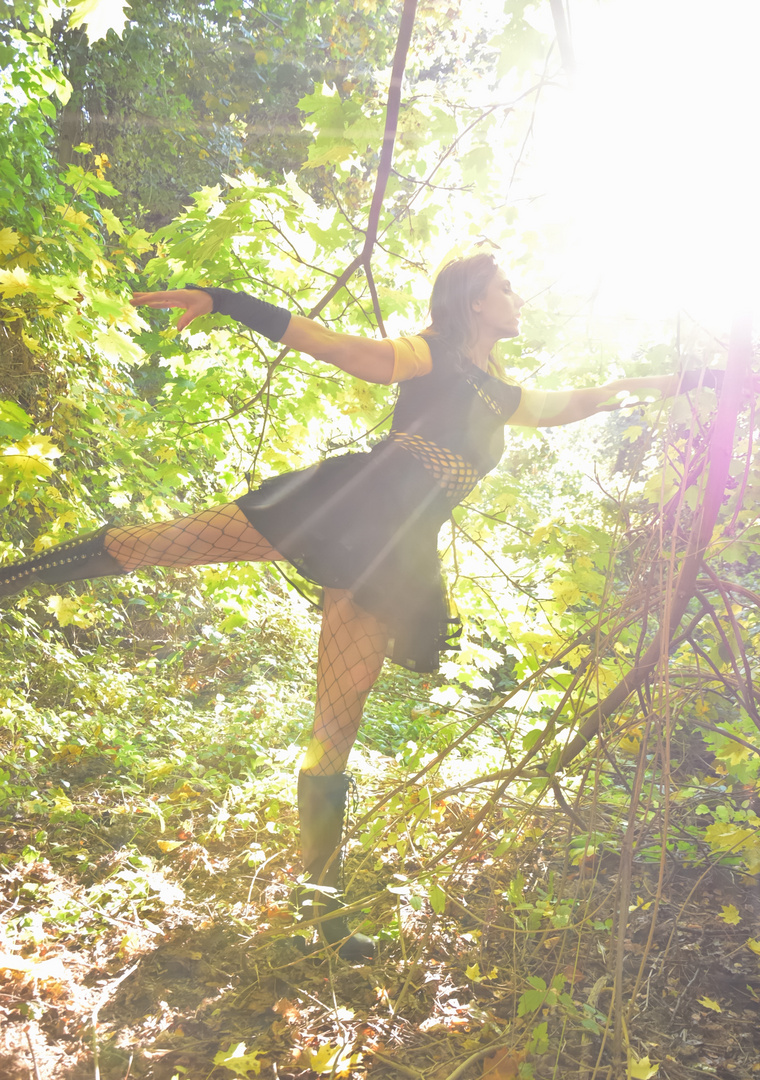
<point x="195" y="302"/>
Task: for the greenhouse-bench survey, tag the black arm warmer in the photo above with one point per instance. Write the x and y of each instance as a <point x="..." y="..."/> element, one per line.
<point x="264" y="318"/>
<point x="709" y="377"/>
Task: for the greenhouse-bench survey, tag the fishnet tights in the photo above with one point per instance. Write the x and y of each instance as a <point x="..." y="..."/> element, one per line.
<point x="351" y="652"/>
<point x="452" y="473"/>
<point x="222" y="534"/>
<point x="352" y="642"/>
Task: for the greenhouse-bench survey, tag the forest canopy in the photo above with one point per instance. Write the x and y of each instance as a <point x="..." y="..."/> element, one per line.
<point x="583" y="774"/>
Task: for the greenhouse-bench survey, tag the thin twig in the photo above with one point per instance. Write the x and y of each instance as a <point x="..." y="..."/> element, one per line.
<point x="31" y="1051"/>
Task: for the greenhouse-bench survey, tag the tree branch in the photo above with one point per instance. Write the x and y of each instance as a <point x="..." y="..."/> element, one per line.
<point x="719" y="460"/>
<point x="564" y="40"/>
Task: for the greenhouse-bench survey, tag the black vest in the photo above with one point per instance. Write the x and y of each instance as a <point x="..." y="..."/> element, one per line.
<point x="457" y="407"/>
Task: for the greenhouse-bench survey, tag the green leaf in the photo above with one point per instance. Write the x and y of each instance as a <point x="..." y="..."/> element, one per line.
<point x="531" y="1001"/>
<point x="14" y="422"/>
<point x="531" y="738"/>
<point x="437" y="899"/>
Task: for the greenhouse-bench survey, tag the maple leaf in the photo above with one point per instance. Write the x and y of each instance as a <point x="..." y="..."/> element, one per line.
<point x="13" y="282"/>
<point x="117" y="346"/>
<point x="709" y="1004"/>
<point x="98" y="17"/>
<point x="640" y="1068"/>
<point x="9" y="240"/>
<point x="333" y="1060"/>
<point x="238" y="1061"/>
<point x="730" y="914"/>
<point x="30" y="456"/>
<point x="68" y="610"/>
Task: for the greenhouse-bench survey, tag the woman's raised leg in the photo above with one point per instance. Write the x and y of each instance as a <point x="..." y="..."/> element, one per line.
<point x="221" y="534"/>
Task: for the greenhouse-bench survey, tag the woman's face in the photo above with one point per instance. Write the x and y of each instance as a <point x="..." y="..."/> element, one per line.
<point x="497" y="310"/>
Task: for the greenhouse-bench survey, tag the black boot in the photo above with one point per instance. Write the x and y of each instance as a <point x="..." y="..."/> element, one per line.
<point x="83" y="557"/>
<point x="321" y="807"/>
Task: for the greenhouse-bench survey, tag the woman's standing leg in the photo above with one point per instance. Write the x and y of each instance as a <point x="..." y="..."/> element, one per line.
<point x="352" y="648"/>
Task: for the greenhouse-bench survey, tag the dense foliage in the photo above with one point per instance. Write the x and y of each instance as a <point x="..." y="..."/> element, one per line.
<point x="238" y="145"/>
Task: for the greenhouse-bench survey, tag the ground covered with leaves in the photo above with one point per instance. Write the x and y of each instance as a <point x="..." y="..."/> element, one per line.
<point x="149" y="931"/>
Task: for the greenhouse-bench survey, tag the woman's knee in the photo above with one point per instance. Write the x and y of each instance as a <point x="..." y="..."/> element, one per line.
<point x="364" y="674"/>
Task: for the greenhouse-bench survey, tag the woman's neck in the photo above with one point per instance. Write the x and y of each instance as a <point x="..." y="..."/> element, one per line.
<point x="480" y="352"/>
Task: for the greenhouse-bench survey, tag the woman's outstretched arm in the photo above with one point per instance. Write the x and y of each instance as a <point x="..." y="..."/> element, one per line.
<point x="551" y="408"/>
<point x="366" y="358"/>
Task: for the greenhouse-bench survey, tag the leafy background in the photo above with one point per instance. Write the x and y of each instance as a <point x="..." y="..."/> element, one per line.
<point x="542" y="904"/>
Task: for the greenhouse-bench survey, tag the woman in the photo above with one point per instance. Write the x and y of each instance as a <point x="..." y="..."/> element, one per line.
<point x="363" y="526"/>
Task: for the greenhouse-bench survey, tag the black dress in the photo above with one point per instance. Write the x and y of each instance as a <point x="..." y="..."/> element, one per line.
<point x="369" y="522"/>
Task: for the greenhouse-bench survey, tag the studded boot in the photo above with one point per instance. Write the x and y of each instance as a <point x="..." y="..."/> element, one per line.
<point x="83" y="557"/>
<point x="321" y="808"/>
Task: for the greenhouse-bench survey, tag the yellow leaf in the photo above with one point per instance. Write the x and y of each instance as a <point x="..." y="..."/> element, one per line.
<point x="733" y="753"/>
<point x="754" y="945"/>
<point x="13" y="282"/>
<point x="710" y="1004"/>
<point x="185" y="791"/>
<point x="566" y="592"/>
<point x="38" y="969"/>
<point x="9" y="241"/>
<point x="722" y="836"/>
<point x="473" y="972"/>
<point x="75" y="217"/>
<point x="333" y="1060"/>
<point x="65" y="293"/>
<point x="630" y="745"/>
<point x="68" y="610"/>
<point x="640" y="1068"/>
<point x="117" y="346"/>
<point x="238" y="1061"/>
<point x="30" y="456"/>
<point x="169" y="845"/>
<point x="730" y="915"/>
<point x="111" y="222"/>
<point x="62" y="802"/>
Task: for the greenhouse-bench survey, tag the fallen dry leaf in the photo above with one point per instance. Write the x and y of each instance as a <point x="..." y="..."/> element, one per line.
<point x="38" y="969"/>
<point x="504" y="1064"/>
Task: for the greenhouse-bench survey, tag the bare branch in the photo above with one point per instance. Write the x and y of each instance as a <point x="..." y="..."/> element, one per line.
<point x="719" y="458"/>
